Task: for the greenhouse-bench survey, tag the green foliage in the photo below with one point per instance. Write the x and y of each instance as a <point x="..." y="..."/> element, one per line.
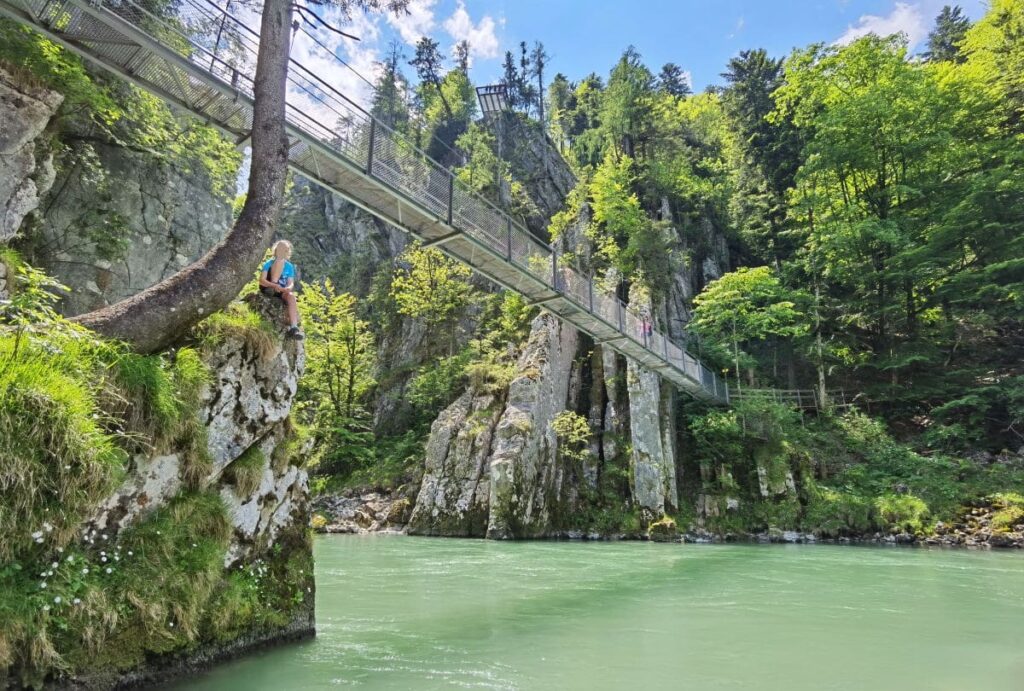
<point x="903" y="513"/>
<point x="339" y="377"/>
<point x="435" y="385"/>
<point x="428" y="285"/>
<point x="831" y="513"/>
<point x="745" y="307"/>
<point x="395" y="460"/>
<point x="107" y="604"/>
<point x="339" y="348"/>
<point x="573" y="433"/>
<point x="1009" y="511"/>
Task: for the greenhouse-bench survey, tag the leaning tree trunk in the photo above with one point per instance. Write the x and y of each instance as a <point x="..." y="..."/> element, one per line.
<point x="156" y="317"/>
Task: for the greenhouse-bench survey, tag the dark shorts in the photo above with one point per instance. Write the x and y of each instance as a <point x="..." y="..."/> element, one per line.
<point x="271" y="293"/>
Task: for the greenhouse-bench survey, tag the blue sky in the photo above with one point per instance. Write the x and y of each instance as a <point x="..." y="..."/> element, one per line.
<point x="588" y="35"/>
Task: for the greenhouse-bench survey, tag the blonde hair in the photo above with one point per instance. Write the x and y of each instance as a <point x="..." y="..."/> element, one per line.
<point x="281" y="243"/>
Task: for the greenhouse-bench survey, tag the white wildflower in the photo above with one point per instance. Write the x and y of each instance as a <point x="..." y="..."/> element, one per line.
<point x="42" y="585"/>
<point x="110" y="570"/>
<point x="57" y="600"/>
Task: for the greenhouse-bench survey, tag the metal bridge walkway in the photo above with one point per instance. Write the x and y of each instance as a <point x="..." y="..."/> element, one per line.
<point x="202" y="60"/>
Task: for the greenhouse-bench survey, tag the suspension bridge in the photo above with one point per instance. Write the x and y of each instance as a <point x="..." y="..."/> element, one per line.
<point x="201" y="59"/>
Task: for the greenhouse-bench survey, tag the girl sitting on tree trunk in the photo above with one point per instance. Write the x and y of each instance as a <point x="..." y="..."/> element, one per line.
<point x="277" y="277"/>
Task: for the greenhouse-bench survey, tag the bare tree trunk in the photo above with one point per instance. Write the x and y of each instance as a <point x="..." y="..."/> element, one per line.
<point x="156" y="317"/>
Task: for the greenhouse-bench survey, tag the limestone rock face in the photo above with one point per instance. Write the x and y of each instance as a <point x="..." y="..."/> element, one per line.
<point x="245" y="408"/>
<point x="165" y="217"/>
<point x="26" y="163"/>
<point x="454" y="495"/>
<point x="252" y="393"/>
<point x="538" y="166"/>
<point x="654" y="463"/>
<point x="492" y="466"/>
<point x="528" y="483"/>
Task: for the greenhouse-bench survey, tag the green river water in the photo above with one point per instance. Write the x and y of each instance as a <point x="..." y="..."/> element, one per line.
<point x="399" y="612"/>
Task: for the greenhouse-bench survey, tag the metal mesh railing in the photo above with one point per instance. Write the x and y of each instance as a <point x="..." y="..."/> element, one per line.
<point x="202" y="58"/>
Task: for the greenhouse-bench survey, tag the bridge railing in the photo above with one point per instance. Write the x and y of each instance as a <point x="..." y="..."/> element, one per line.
<point x="207" y="52"/>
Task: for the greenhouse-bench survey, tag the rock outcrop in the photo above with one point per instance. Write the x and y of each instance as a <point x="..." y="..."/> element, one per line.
<point x="112" y="237"/>
<point x="243" y="410"/>
<point x="492" y="466"/>
<point x="26" y="161"/>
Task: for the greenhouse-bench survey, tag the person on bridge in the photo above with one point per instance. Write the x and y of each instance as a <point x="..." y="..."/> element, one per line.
<point x="277" y="278"/>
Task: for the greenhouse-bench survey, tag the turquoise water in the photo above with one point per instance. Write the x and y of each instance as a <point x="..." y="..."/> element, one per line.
<point x="399" y="612"/>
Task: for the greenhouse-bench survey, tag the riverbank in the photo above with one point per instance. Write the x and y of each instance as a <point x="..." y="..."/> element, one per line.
<point x="990" y="524"/>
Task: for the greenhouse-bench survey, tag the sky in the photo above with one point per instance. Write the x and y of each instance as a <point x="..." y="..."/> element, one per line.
<point x="584" y="36"/>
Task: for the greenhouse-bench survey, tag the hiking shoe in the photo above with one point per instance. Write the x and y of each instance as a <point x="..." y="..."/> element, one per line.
<point x="293" y="332"/>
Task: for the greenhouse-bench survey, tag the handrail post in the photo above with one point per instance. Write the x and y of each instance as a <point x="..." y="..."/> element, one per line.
<point x="369" y="155"/>
<point x="451" y="196"/>
<point x="590" y="289"/>
<point x="554" y="269"/>
<point x="618" y="302"/>
<point x="508" y="238"/>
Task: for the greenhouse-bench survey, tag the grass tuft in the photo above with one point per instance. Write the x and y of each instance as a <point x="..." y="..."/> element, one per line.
<point x="237" y="320"/>
<point x="246" y="471"/>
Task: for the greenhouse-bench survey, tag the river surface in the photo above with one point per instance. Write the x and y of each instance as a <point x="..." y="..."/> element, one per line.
<point x="398" y="612"/>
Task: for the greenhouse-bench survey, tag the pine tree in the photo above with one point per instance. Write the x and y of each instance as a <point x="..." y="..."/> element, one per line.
<point x="429" y="67"/>
<point x="771" y="151"/>
<point x="510" y="77"/>
<point x="538" y="61"/>
<point x="527" y="93"/>
<point x="950" y="30"/>
<point x="389" y="98"/>
<point x="626" y="106"/>
<point x="461" y="54"/>
<point x="673" y="80"/>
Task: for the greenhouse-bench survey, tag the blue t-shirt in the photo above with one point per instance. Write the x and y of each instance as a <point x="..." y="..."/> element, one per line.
<point x="288" y="272"/>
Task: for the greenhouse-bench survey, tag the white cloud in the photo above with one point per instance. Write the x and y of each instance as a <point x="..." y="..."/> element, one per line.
<point x="418" y="22"/>
<point x="740" y="23"/>
<point x="483" y="43"/>
<point x="322" y="60"/>
<point x="908" y="19"/>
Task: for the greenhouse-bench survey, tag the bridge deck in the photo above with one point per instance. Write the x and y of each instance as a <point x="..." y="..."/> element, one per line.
<point x="179" y="60"/>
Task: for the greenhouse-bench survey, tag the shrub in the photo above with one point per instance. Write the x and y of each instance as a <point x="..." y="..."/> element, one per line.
<point x="830" y="513"/>
<point x="903" y="513"/>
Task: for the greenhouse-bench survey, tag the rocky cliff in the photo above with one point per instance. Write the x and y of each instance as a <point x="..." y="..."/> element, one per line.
<point x="493" y="466"/>
<point x="154" y="509"/>
<point x="173" y="530"/>
<point x="26" y="159"/>
<point x="141" y="221"/>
